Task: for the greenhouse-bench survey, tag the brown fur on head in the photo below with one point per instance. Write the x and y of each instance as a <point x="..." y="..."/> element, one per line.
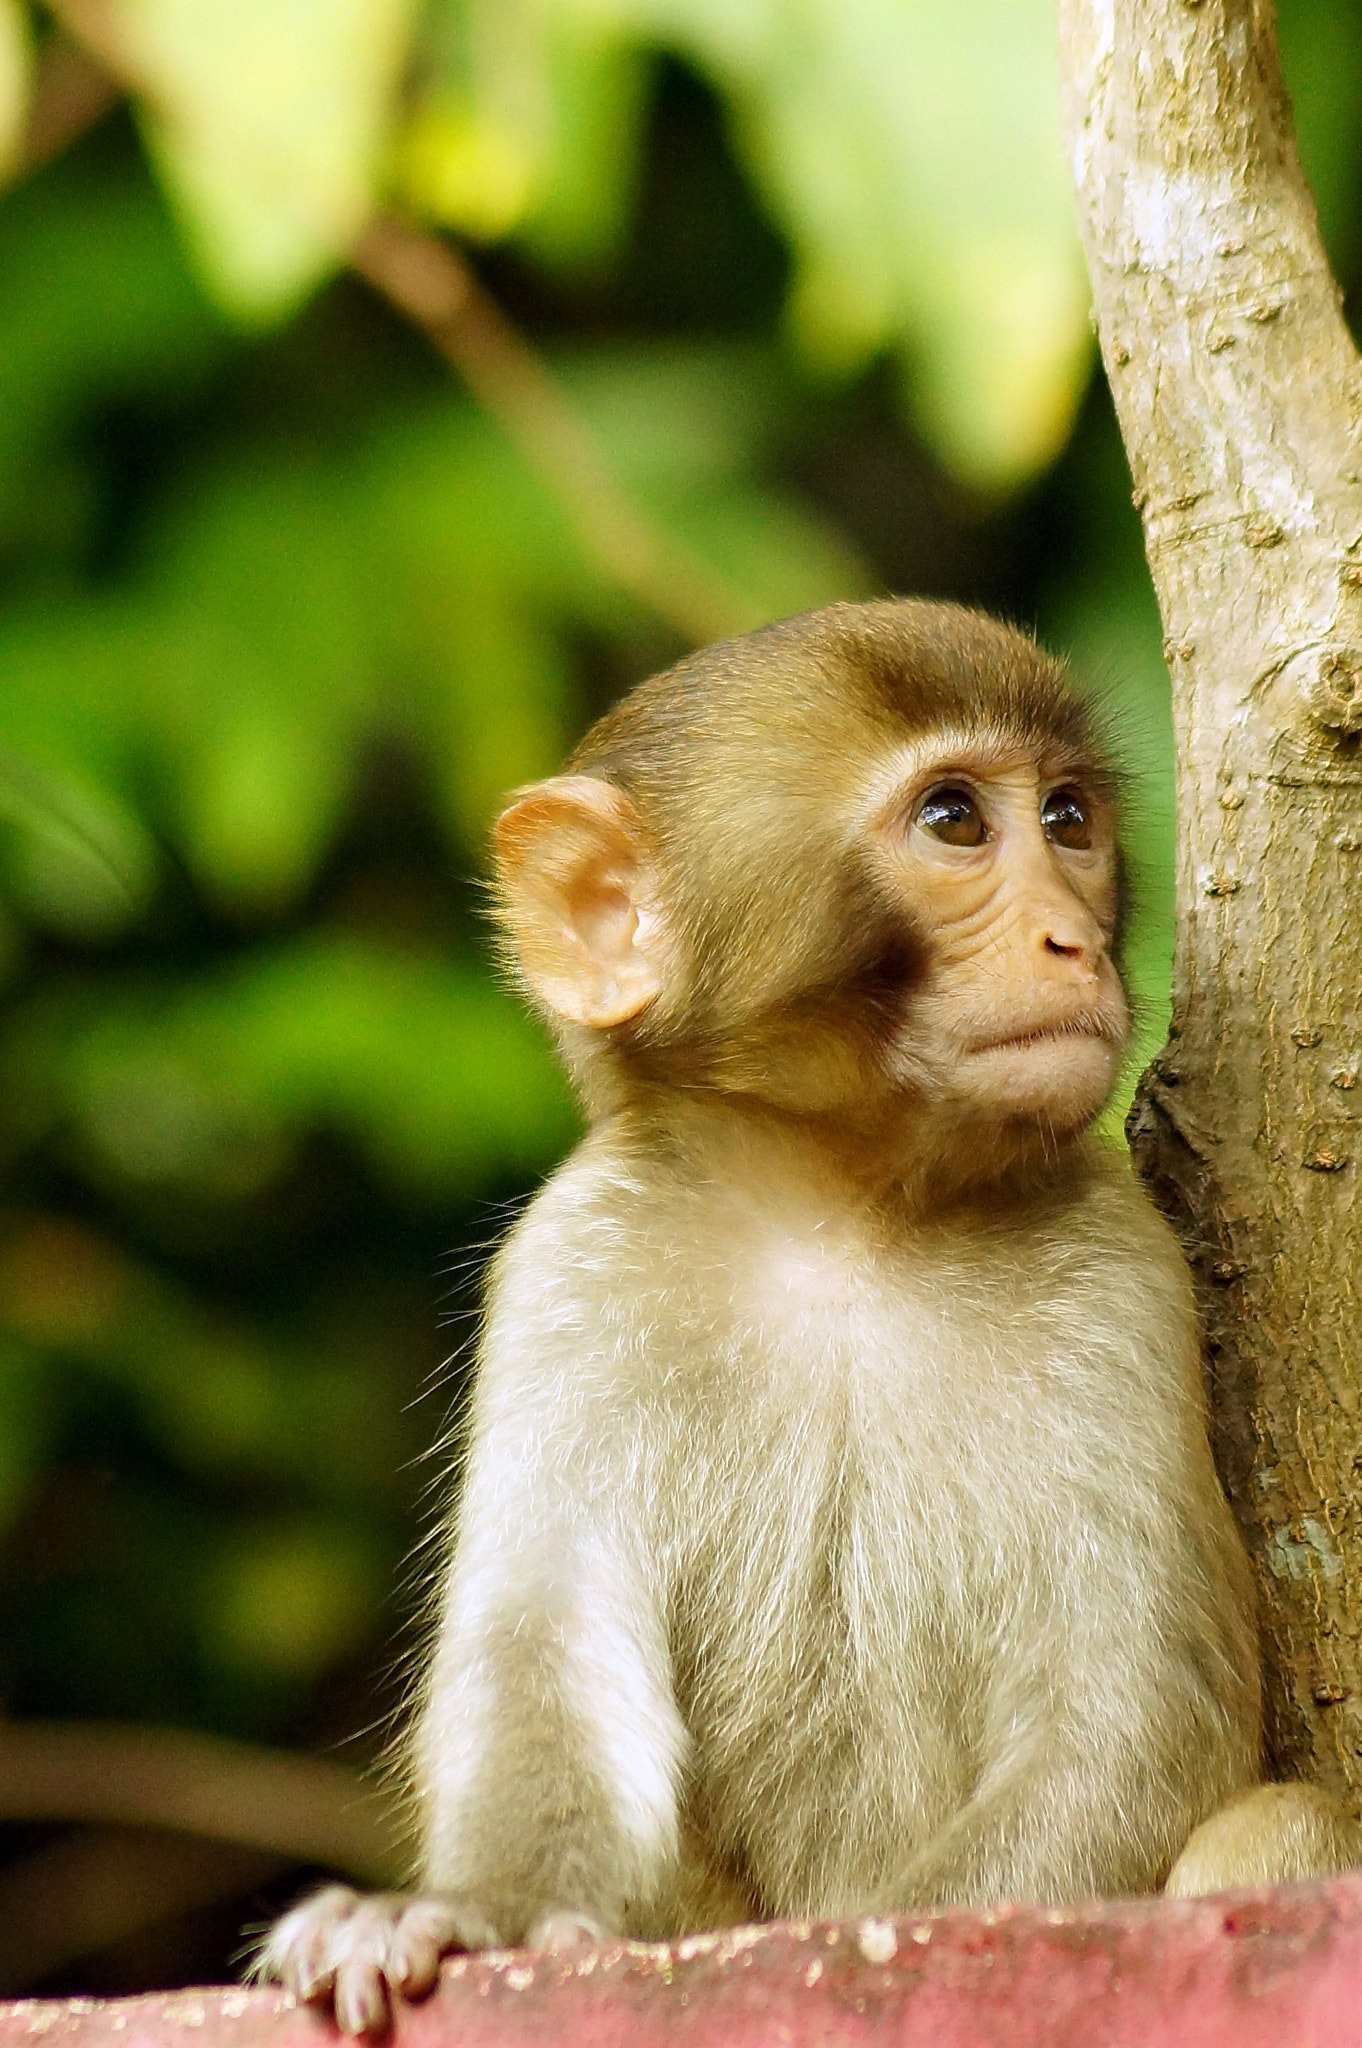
<point x="729" y="809"/>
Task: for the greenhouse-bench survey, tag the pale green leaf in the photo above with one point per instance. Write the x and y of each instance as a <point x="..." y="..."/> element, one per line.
<point x="529" y="119"/>
<point x="476" y="155"/>
<point x="910" y="150"/>
<point x="267" y="119"/>
<point x="913" y="152"/>
<point x="597" y="86"/>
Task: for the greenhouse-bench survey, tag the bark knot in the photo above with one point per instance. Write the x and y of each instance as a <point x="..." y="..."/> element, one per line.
<point x="1329" y="678"/>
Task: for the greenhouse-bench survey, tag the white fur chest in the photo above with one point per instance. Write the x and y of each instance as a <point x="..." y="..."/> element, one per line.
<point x="889" y="1451"/>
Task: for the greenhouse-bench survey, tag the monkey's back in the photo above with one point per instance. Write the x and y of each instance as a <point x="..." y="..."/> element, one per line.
<point x="920" y="1499"/>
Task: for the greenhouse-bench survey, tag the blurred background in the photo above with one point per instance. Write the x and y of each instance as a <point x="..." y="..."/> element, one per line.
<point x="384" y="387"/>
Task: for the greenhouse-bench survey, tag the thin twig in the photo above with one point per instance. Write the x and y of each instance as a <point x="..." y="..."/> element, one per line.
<point x="70" y="93"/>
<point x="433" y="284"/>
<point x="300" y="1807"/>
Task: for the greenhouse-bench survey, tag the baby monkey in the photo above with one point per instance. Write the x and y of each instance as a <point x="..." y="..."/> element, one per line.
<point x="839" y="1532"/>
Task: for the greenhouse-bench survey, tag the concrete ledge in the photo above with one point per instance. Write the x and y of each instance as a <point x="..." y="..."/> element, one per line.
<point x="1271" y="1969"/>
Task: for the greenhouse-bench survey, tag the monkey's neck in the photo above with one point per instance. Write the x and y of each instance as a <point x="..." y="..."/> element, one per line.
<point x="917" y="1165"/>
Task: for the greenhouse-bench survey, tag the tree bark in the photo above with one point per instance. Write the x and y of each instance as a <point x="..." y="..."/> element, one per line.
<point x="1238" y="391"/>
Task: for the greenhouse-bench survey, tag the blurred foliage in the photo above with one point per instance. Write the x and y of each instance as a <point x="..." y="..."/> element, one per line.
<point x="282" y="614"/>
<point x="908" y="151"/>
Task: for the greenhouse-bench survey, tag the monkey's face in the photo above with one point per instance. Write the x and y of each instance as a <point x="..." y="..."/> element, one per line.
<point x="1004" y="864"/>
<point x="860" y="868"/>
<point x="941" y="945"/>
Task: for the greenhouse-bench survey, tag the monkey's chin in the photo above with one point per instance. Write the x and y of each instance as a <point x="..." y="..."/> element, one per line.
<point x="1057" y="1080"/>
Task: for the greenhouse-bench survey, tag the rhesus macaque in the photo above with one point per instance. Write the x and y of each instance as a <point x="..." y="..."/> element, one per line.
<point x="839" y="1532"/>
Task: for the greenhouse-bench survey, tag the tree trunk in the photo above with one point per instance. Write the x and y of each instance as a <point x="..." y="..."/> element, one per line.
<point x="1239" y="397"/>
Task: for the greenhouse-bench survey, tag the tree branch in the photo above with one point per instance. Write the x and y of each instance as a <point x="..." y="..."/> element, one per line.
<point x="1238" y="390"/>
<point x="299" y="1807"/>
<point x="435" y="286"/>
<point x="70" y="93"/>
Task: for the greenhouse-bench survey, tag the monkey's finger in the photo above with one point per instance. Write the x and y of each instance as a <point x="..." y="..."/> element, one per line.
<point x="360" y="1951"/>
<point x="562" y="1931"/>
<point x="427" y="1930"/>
<point x="300" y="1948"/>
<point x="475" y="1930"/>
<point x="361" y="1998"/>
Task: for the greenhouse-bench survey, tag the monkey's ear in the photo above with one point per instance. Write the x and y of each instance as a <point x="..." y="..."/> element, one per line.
<point x="579" y="900"/>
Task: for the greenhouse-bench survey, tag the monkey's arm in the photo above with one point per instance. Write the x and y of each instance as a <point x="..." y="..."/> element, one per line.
<point x="548" y="1746"/>
<point x="546" y="1760"/>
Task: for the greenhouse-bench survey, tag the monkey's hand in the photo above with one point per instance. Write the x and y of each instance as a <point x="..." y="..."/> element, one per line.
<point x="355" y="1954"/>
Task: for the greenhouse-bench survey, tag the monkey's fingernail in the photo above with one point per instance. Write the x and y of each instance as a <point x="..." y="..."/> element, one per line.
<point x="415" y="1978"/>
<point x="311" y="1980"/>
<point x="414" y="1965"/>
<point x="361" y="2001"/>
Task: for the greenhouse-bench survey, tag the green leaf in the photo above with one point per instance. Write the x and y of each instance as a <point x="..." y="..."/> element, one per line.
<point x="96" y="845"/>
<point x="597" y="94"/>
<point x="257" y="668"/>
<point x="529" y="120"/>
<point x="435" y="1073"/>
<point x="75" y="855"/>
<point x="266" y="119"/>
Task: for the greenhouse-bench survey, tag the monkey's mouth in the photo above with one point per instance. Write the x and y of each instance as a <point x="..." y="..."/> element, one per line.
<point x="1043" y="1036"/>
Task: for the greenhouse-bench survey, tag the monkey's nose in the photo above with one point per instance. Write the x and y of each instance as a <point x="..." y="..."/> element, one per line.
<point x="1076" y="950"/>
<point x="1069" y="932"/>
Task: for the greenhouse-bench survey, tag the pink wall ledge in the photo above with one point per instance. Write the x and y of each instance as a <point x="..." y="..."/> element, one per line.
<point x="1276" y="1969"/>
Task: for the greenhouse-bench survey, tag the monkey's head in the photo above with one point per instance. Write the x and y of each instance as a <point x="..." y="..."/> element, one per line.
<point x="860" y="866"/>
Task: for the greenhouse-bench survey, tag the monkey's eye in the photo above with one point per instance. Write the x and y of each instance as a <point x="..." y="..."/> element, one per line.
<point x="952" y="815"/>
<point x="1064" y="819"/>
